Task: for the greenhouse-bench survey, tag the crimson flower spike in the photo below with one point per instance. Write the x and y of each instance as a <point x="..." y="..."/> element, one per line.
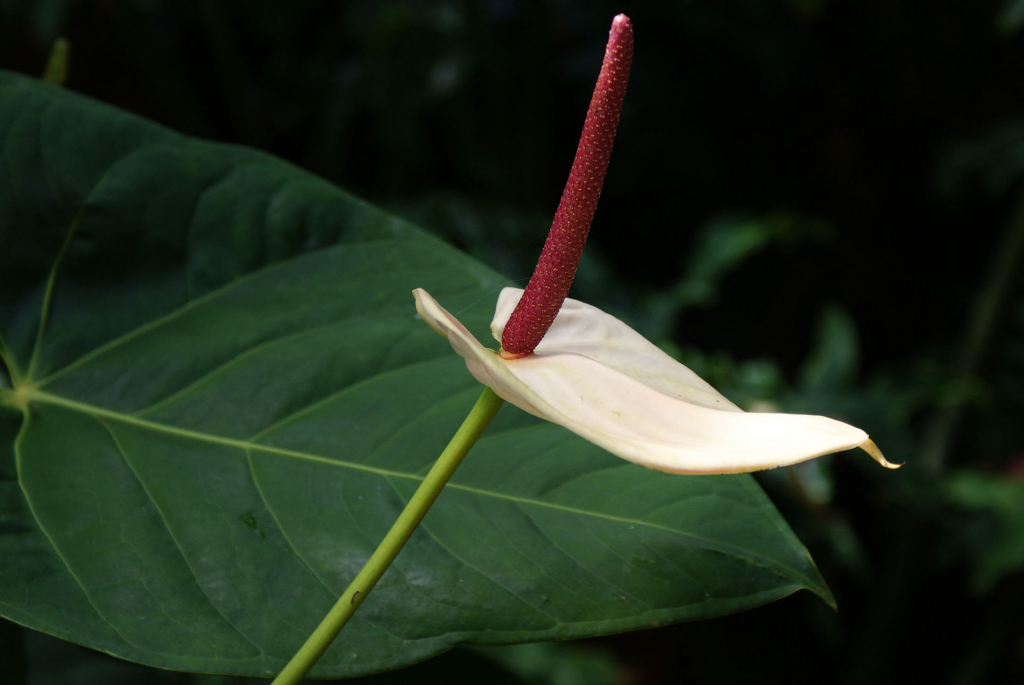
<point x="556" y="267"/>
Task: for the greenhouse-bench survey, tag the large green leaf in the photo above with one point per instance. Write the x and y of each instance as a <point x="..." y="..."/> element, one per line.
<point x="222" y="399"/>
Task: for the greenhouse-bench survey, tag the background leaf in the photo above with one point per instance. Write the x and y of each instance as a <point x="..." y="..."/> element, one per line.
<point x="222" y="399"/>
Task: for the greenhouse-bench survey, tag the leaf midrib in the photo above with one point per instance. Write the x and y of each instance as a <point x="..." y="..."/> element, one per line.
<point x="40" y="396"/>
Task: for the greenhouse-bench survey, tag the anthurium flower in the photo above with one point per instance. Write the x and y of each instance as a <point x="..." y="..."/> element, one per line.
<point x="596" y="376"/>
<point x="574" y="365"/>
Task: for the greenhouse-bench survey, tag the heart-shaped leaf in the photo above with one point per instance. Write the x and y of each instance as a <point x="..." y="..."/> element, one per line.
<point x="220" y="399"/>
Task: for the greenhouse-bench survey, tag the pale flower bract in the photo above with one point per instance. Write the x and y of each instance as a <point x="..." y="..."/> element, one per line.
<point x="596" y="376"/>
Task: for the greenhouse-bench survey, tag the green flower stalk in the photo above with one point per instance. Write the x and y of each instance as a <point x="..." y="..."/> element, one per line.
<point x="317" y="643"/>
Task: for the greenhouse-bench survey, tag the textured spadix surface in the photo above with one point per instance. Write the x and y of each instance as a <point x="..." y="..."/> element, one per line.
<point x="222" y="399"/>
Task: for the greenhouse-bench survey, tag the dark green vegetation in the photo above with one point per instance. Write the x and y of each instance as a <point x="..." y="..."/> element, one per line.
<point x="825" y="191"/>
<point x="222" y="398"/>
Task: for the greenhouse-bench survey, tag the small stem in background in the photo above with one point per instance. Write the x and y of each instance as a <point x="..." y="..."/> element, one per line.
<point x="984" y="318"/>
<point x="307" y="656"/>
<point x="56" y="71"/>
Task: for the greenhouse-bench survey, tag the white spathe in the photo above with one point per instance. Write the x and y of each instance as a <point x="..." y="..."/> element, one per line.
<point x="602" y="380"/>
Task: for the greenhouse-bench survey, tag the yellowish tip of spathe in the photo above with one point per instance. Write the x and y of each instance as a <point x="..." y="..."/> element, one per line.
<point x="871" y="448"/>
<point x="420" y="295"/>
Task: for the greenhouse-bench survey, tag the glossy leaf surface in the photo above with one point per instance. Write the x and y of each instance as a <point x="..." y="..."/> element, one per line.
<point x="222" y="399"/>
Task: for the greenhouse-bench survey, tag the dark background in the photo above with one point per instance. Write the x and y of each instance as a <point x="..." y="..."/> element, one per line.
<point x="807" y="202"/>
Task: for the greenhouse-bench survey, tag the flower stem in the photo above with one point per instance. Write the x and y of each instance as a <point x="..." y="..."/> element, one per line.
<point x="464" y="439"/>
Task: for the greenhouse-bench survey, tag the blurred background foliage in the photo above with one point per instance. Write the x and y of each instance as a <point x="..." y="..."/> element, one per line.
<point x="816" y="204"/>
